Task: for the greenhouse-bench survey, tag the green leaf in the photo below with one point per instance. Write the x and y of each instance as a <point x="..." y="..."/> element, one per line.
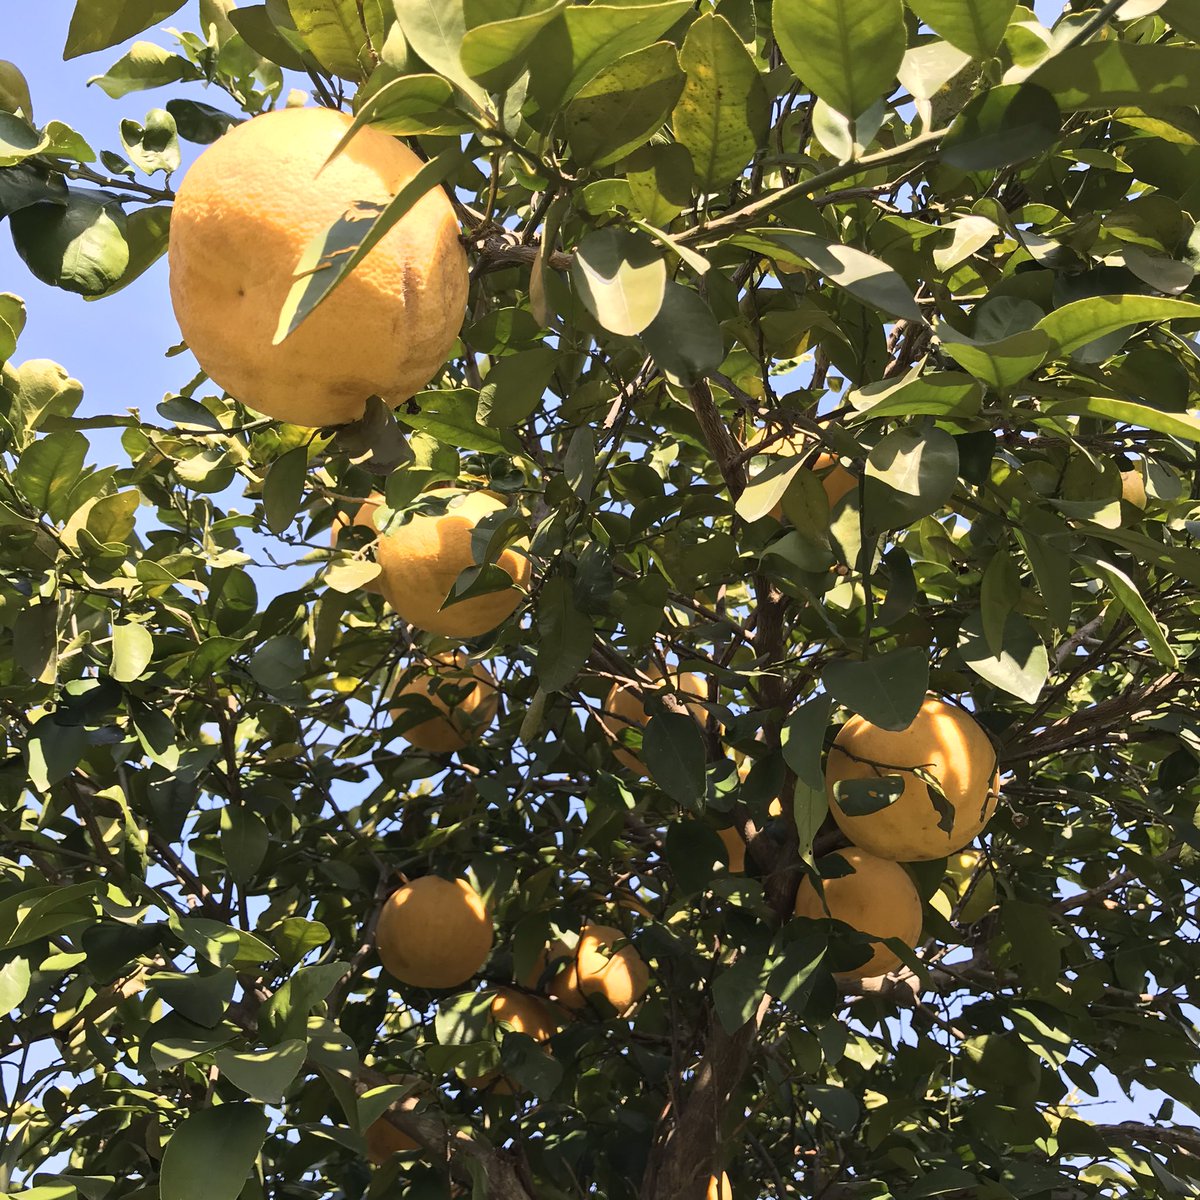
<point x="911" y="472"/>
<point x="244" y="841"/>
<point x="684" y="338"/>
<point x="737" y="990"/>
<point x="1111" y="73"/>
<point x="436" y="29"/>
<point x="624" y="104"/>
<point x="766" y="489"/>
<point x="975" y="26"/>
<point x="999" y="594"/>
<point x="79" y="246"/>
<point x="1020" y="668"/>
<point x="334" y="35"/>
<point x="264" y="37"/>
<point x="866" y="278"/>
<point x="565" y="636"/>
<point x="283" y="488"/>
<point x="198" y="122"/>
<point x="153" y="146"/>
<point x="810" y="807"/>
<point x="212" y="1152"/>
<point x="1179" y="425"/>
<point x="513" y="389"/>
<point x="497" y="53"/>
<point x="41" y="913"/>
<point x="202" y="999"/>
<point x="99" y="24"/>
<point x="805" y="744"/>
<point x="146" y="232"/>
<point x="845" y="51"/>
<point x="335" y="252"/>
<point x="673" y="751"/>
<point x="861" y="797"/>
<point x="144" y="66"/>
<point x="48" y="469"/>
<point x="998" y="364"/>
<point x="14" y="982"/>
<point x="1074" y="325"/>
<point x="723" y="112"/>
<point x="691" y="849"/>
<point x="278" y="663"/>
<point x="18" y="140"/>
<point x="575" y="49"/>
<point x="409" y="105"/>
<point x="621" y="277"/>
<point x="579" y="462"/>
<point x="1005" y="125"/>
<point x="1130" y="599"/>
<point x="132" y="650"/>
<point x="887" y="690"/>
<point x="938" y="394"/>
<point x="263" y="1075"/>
<point x="285" y="1015"/>
<point x="294" y="937"/>
<point x="449" y="416"/>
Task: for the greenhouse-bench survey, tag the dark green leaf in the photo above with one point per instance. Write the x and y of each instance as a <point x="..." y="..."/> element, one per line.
<point x="1003" y="126"/>
<point x="684" y="338"/>
<point x="212" y="1152"/>
<point x="861" y="797"/>
<point x="673" y="751"/>
<point x="79" y="247"/>
<point x="285" y="1015"/>
<point x="283" y="488"/>
<point x="737" y="990"/>
<point x="244" y="841"/>
<point x="99" y="24"/>
<point x="1110" y="73"/>
<point x="691" y="849"/>
<point x="565" y="636"/>
<point x="1021" y="666"/>
<point x="910" y="472"/>
<point x="887" y="690"/>
<point x="263" y="1074"/>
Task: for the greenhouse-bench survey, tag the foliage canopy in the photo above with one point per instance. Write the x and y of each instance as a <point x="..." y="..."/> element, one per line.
<point x="948" y="244"/>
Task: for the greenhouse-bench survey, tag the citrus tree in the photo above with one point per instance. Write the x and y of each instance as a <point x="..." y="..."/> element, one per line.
<point x="652" y="657"/>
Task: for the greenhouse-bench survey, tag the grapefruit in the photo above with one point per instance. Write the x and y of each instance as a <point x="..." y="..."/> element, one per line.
<point x="945" y="742"/>
<point x="597" y="969"/>
<point x="245" y="213"/>
<point x="465" y="695"/>
<point x="434" y="933"/>
<point x="877" y="898"/>
<point x="422" y="558"/>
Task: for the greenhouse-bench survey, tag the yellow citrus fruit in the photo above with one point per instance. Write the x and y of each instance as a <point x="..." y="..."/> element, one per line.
<point x="422" y="558"/>
<point x="736" y="849"/>
<point x="623" y="708"/>
<point x="384" y="1140"/>
<point x="960" y="870"/>
<point x="596" y="969"/>
<point x="466" y="695"/>
<point x="522" y="1014"/>
<point x="719" y="1189"/>
<point x="434" y="933"/>
<point x="1133" y="488"/>
<point x="945" y="742"/>
<point x="877" y="898"/>
<point x="245" y="213"/>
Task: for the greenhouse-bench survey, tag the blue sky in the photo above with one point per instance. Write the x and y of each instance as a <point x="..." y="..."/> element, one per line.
<point x="116" y="346"/>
